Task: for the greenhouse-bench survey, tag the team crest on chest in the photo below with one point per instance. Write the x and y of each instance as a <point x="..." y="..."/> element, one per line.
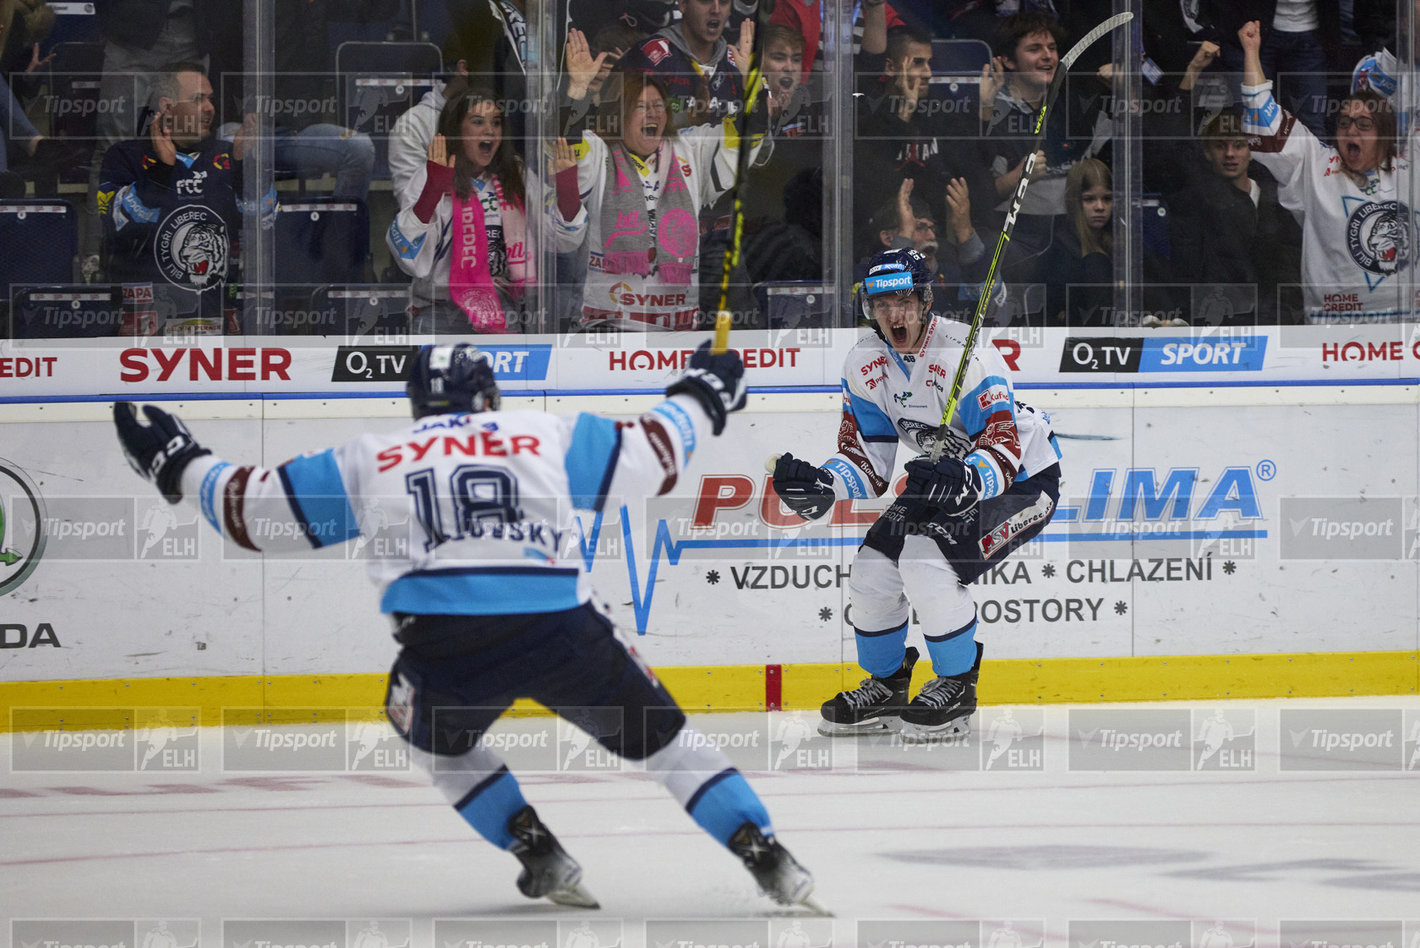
<point x="1378" y="237"/>
<point x="191" y="248"/>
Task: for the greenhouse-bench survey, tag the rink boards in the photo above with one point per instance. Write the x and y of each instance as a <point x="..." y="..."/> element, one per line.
<point x="1210" y="542"/>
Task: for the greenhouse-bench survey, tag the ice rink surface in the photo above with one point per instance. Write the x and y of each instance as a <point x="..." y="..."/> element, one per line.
<point x="1283" y="823"/>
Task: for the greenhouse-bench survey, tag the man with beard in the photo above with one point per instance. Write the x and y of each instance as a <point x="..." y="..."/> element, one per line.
<point x="158" y="192"/>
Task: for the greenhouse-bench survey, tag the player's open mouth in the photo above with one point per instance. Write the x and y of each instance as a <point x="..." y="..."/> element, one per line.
<point x="899" y="335"/>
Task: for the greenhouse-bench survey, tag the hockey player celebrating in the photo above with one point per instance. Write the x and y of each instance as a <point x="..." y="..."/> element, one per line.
<point x="1356" y="230"/>
<point x="491" y="575"/>
<point x="994" y="488"/>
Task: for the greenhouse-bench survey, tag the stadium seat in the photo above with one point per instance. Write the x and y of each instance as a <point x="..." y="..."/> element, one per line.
<point x="73" y="77"/>
<point x="66" y="312"/>
<point x="318" y="241"/>
<point x="40" y="240"/>
<point x="956" y="74"/>
<point x="379" y="82"/>
<point x="365" y="312"/>
<point x="796" y="304"/>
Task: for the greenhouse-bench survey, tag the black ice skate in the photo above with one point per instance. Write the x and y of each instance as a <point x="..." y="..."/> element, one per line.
<point x="779" y="875"/>
<point x="873" y="706"/>
<point x="548" y="872"/>
<point x="944" y="707"/>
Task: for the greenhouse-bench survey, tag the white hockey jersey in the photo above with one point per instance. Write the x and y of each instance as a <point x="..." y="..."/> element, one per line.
<point x="462" y="514"/>
<point x="706" y="155"/>
<point x="890" y="399"/>
<point x="1357" y="241"/>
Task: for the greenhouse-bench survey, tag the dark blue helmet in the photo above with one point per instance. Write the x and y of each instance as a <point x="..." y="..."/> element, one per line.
<point x="448" y="379"/>
<point x="895" y="271"/>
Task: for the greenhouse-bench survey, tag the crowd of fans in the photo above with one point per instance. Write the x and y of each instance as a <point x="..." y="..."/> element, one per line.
<point x="621" y="217"/>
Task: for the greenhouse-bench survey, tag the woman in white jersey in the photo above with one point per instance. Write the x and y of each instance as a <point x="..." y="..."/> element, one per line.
<point x="1357" y="261"/>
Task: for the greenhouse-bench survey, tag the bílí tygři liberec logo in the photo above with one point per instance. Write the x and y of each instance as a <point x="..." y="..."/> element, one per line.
<point x="21" y="527"/>
<point x="191" y="248"/>
<point x="1378" y="237"/>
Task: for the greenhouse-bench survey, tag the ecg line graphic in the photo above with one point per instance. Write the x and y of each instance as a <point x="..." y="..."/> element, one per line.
<point x="666" y="545"/>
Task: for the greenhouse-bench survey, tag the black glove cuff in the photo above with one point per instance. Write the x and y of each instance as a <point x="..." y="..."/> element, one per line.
<point x="170" y="477"/>
<point x="708" y="398"/>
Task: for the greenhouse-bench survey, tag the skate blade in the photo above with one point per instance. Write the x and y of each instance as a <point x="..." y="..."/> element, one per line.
<point x="815" y="906"/>
<point x="928" y="734"/>
<point x="875" y="726"/>
<point x="575" y="896"/>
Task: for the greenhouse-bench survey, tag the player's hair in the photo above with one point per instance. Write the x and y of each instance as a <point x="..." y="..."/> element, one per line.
<point x="1380" y="109"/>
<point x="1017" y="26"/>
<point x="166" y="86"/>
<point x="786" y="35"/>
<point x="898" y="39"/>
<point x="1085" y="174"/>
<point x="505" y="164"/>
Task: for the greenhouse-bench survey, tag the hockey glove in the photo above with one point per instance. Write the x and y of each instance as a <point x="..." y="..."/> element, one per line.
<point x="951" y="485"/>
<point x="717" y="382"/>
<point x="159" y="450"/>
<point x="805" y="489"/>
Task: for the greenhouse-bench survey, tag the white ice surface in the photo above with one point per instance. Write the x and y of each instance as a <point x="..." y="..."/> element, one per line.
<point x="891" y="833"/>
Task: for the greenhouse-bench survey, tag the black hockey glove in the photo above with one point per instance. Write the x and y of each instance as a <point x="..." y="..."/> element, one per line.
<point x="159" y="450"/>
<point x="951" y="485"/>
<point x="716" y="381"/>
<point x="805" y="489"/>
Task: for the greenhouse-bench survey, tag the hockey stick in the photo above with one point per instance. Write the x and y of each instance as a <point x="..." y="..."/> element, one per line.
<point x="989" y="285"/>
<point x="723" y="317"/>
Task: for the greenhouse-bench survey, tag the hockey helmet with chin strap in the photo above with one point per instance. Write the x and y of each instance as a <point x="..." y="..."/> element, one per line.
<point x="897" y="272"/>
<point x="447" y="379"/>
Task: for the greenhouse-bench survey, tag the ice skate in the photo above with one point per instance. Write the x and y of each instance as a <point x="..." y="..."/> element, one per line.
<point x="874" y="705"/>
<point x="779" y="875"/>
<point x="548" y="872"/>
<point x="943" y="709"/>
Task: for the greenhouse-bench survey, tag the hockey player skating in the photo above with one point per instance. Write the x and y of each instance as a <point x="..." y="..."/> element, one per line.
<point x="489" y="598"/>
<point x="995" y="488"/>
